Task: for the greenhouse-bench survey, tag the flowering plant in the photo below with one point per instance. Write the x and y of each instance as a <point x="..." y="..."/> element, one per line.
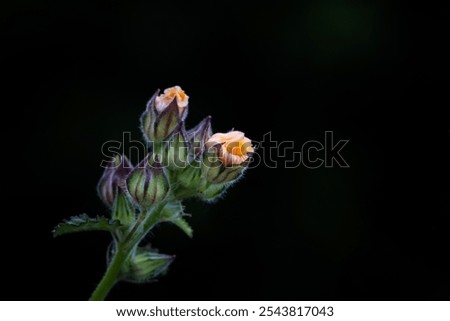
<point x="180" y="164"/>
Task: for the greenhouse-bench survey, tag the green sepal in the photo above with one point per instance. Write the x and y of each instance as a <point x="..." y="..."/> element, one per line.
<point x="123" y="211"/>
<point x="213" y="192"/>
<point x="189" y="182"/>
<point x="84" y="223"/>
<point x="177" y="150"/>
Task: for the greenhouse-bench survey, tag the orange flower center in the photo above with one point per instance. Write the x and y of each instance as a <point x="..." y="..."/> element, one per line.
<point x="237" y="148"/>
<point x="163" y="100"/>
<point x="234" y="147"/>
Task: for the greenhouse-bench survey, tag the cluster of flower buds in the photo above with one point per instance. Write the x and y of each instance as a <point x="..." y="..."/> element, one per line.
<point x="182" y="163"/>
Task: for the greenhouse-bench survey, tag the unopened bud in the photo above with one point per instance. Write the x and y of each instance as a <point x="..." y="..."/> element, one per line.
<point x="113" y="178"/>
<point x="147" y="184"/>
<point x="164" y="113"/>
<point x="146" y="266"/>
<point x="198" y="136"/>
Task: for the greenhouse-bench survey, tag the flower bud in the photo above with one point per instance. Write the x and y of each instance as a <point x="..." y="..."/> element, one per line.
<point x="147" y="184"/>
<point x="148" y="118"/>
<point x="198" y="136"/>
<point x="146" y="265"/>
<point x="164" y="113"/>
<point x="113" y="178"/>
<point x="170" y="94"/>
<point x="226" y="157"/>
<point x="234" y="147"/>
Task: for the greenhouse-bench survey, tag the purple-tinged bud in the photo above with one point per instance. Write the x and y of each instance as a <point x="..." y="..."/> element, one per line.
<point x="147" y="184"/>
<point x="199" y="135"/>
<point x="163" y="114"/>
<point x="148" y="118"/>
<point x="113" y="178"/>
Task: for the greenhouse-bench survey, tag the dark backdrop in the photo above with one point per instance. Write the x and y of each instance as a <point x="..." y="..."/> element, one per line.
<point x="78" y="73"/>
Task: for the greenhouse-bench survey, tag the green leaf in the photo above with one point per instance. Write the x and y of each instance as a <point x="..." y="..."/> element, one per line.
<point x="82" y="223"/>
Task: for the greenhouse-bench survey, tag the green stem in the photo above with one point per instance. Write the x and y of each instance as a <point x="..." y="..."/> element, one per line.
<point x="136" y="227"/>
<point x="147" y="224"/>
<point x="124" y="250"/>
<point x="111" y="276"/>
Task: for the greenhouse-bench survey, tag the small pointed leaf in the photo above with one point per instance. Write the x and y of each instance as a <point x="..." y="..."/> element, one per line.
<point x="173" y="213"/>
<point x="183" y="225"/>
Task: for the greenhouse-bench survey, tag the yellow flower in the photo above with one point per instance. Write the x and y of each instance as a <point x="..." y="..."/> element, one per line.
<point x="234" y="147"/>
<point x="164" y="100"/>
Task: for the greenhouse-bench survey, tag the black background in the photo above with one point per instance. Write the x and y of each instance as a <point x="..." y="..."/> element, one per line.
<point x="376" y="73"/>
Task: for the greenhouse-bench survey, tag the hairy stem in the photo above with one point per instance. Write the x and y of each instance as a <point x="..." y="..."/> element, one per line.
<point x="111" y="276"/>
<point x="124" y="249"/>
